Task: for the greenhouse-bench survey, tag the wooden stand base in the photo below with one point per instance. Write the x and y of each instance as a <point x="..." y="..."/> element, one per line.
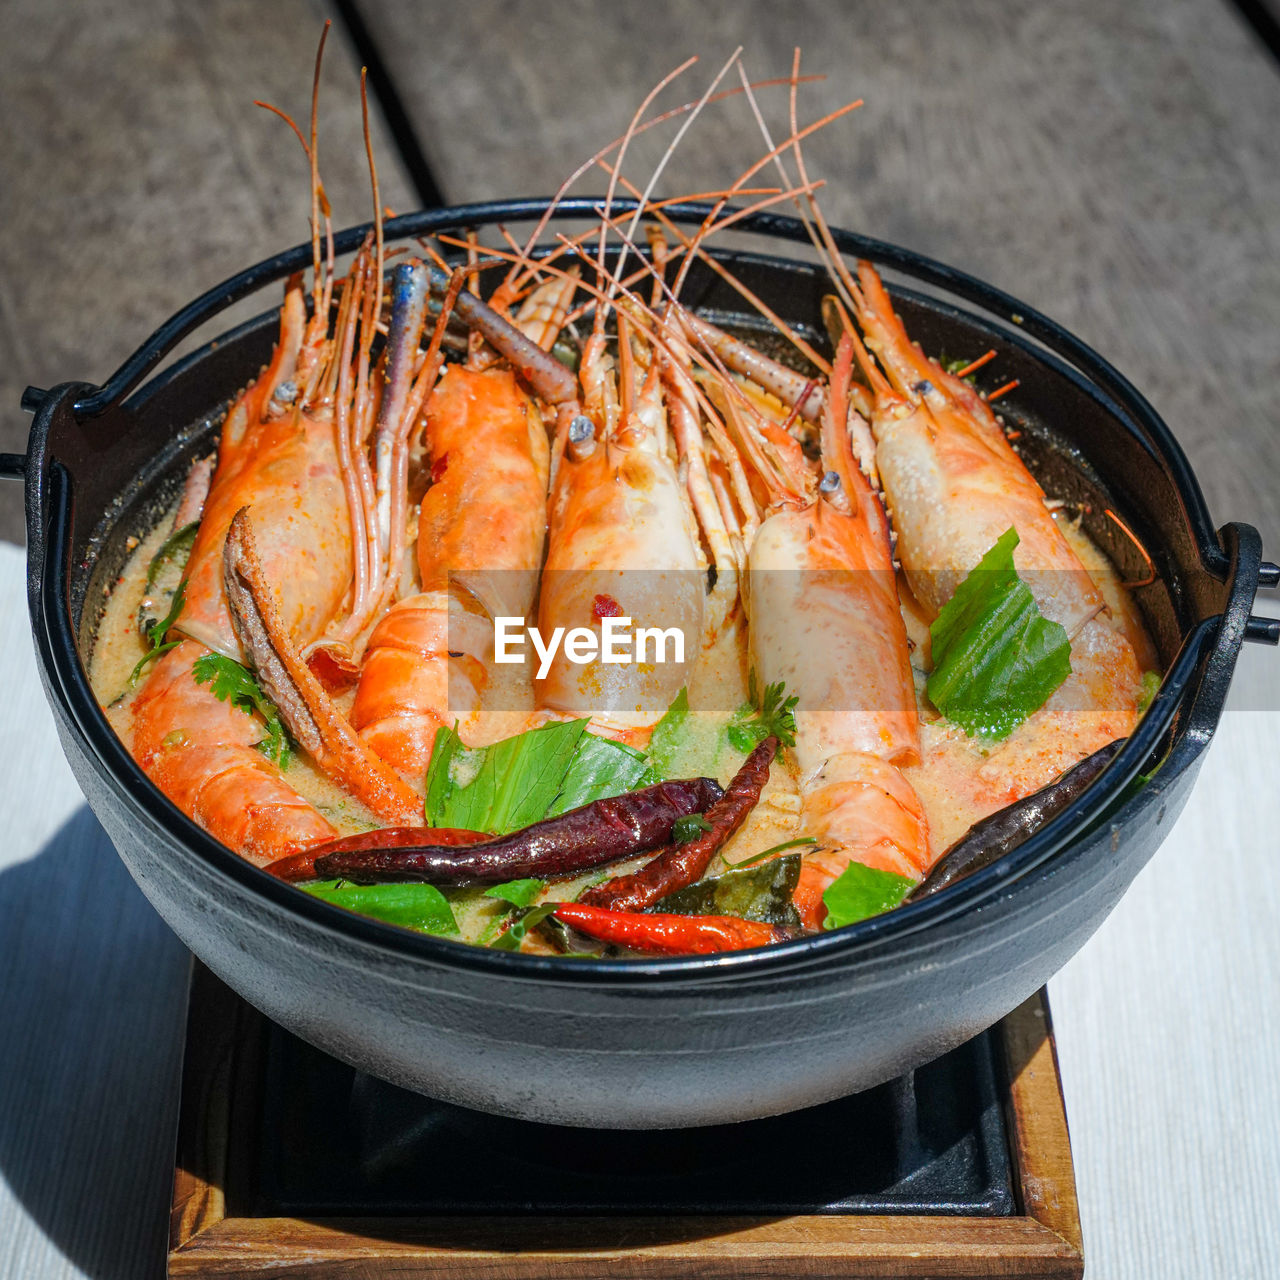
<point x="222" y="1087"/>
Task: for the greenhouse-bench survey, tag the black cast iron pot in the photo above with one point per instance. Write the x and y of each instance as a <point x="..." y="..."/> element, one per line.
<point x="680" y="1041"/>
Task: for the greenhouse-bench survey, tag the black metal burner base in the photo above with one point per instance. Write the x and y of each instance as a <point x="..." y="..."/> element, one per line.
<point x="336" y="1142"/>
<point x="292" y="1164"/>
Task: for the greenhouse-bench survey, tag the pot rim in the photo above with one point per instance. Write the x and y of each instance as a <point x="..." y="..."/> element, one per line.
<point x="1191" y="694"/>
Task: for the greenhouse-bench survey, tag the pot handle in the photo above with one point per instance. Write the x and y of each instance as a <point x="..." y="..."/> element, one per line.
<point x="1248" y="572"/>
<point x="1259" y="628"/>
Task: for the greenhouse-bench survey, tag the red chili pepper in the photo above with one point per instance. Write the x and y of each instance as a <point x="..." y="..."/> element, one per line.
<point x="605" y="607"/>
<point x="679" y="865"/>
<point x="594" y="834"/>
<point x="302" y="866"/>
<point x="669" y="934"/>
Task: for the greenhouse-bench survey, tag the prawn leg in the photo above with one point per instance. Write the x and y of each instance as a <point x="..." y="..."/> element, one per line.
<point x="316" y="725"/>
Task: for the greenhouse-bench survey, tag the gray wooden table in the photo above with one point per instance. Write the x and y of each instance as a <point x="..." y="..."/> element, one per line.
<point x="1116" y="166"/>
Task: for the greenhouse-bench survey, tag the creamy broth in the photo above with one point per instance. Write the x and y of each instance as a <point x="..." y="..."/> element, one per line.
<point x="955" y="779"/>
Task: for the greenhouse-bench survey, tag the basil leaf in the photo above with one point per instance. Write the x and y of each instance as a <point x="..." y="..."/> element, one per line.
<point x="684" y="743"/>
<point x="441" y="779"/>
<point x="763" y="893"/>
<point x="502" y="787"/>
<point x="861" y="892"/>
<point x="667" y="734"/>
<point x="519" y="893"/>
<point x="600" y="768"/>
<point x="526" y="771"/>
<point x="412" y="906"/>
<point x="525" y="778"/>
<point x="996" y="658"/>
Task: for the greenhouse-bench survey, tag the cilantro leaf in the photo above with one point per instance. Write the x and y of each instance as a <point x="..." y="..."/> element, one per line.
<point x="996" y="658"/>
<point x="228" y="681"/>
<point x="412" y="906"/>
<point x="158" y="630"/>
<point x="861" y="891"/>
<point x="690" y="827"/>
<point x="763" y="716"/>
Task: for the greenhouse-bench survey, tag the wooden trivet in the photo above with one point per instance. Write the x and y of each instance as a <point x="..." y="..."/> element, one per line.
<point x="220" y="1112"/>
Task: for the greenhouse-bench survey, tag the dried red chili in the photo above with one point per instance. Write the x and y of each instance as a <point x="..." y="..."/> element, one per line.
<point x="682" y="864"/>
<point x="590" y="836"/>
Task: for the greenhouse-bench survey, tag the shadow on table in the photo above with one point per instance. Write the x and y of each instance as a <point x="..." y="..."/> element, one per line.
<point x="92" y="992"/>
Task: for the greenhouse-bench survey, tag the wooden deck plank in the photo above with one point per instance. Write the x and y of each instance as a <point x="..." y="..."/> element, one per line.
<point x="1117" y="167"/>
<point x="135" y="172"/>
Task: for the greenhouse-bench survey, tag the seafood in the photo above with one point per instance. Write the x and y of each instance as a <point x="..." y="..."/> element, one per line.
<point x="480" y="534"/>
<point x="382" y="506"/>
<point x="622" y="542"/>
<point x="953" y="483"/>
<point x="277" y="457"/>
<point x="823" y="608"/>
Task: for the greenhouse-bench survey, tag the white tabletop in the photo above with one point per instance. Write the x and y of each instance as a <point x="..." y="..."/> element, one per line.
<point x="1168" y="1021"/>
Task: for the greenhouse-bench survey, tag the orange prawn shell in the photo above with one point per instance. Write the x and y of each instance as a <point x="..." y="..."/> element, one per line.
<point x="481" y="530"/>
<point x="620" y="530"/>
<point x="201" y="753"/>
<point x="825" y="620"/>
<point x="484" y="519"/>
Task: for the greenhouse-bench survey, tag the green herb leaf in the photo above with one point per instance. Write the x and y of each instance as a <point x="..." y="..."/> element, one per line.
<point x="665" y="740"/>
<point x="512" y="938"/>
<point x="502" y="787"/>
<point x="412" y="906"/>
<point x="519" y="893"/>
<point x="598" y="769"/>
<point x="684" y="743"/>
<point x="768" y="853"/>
<point x="1151" y="681"/>
<point x="763" y="893"/>
<point x="690" y="827"/>
<point x="157" y="632"/>
<point x="174" y="552"/>
<point x="525" y="778"/>
<point x="228" y="681"/>
<point x="953" y="367"/>
<point x="763" y="716"/>
<point x="862" y="891"/>
<point x="996" y="658"/>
